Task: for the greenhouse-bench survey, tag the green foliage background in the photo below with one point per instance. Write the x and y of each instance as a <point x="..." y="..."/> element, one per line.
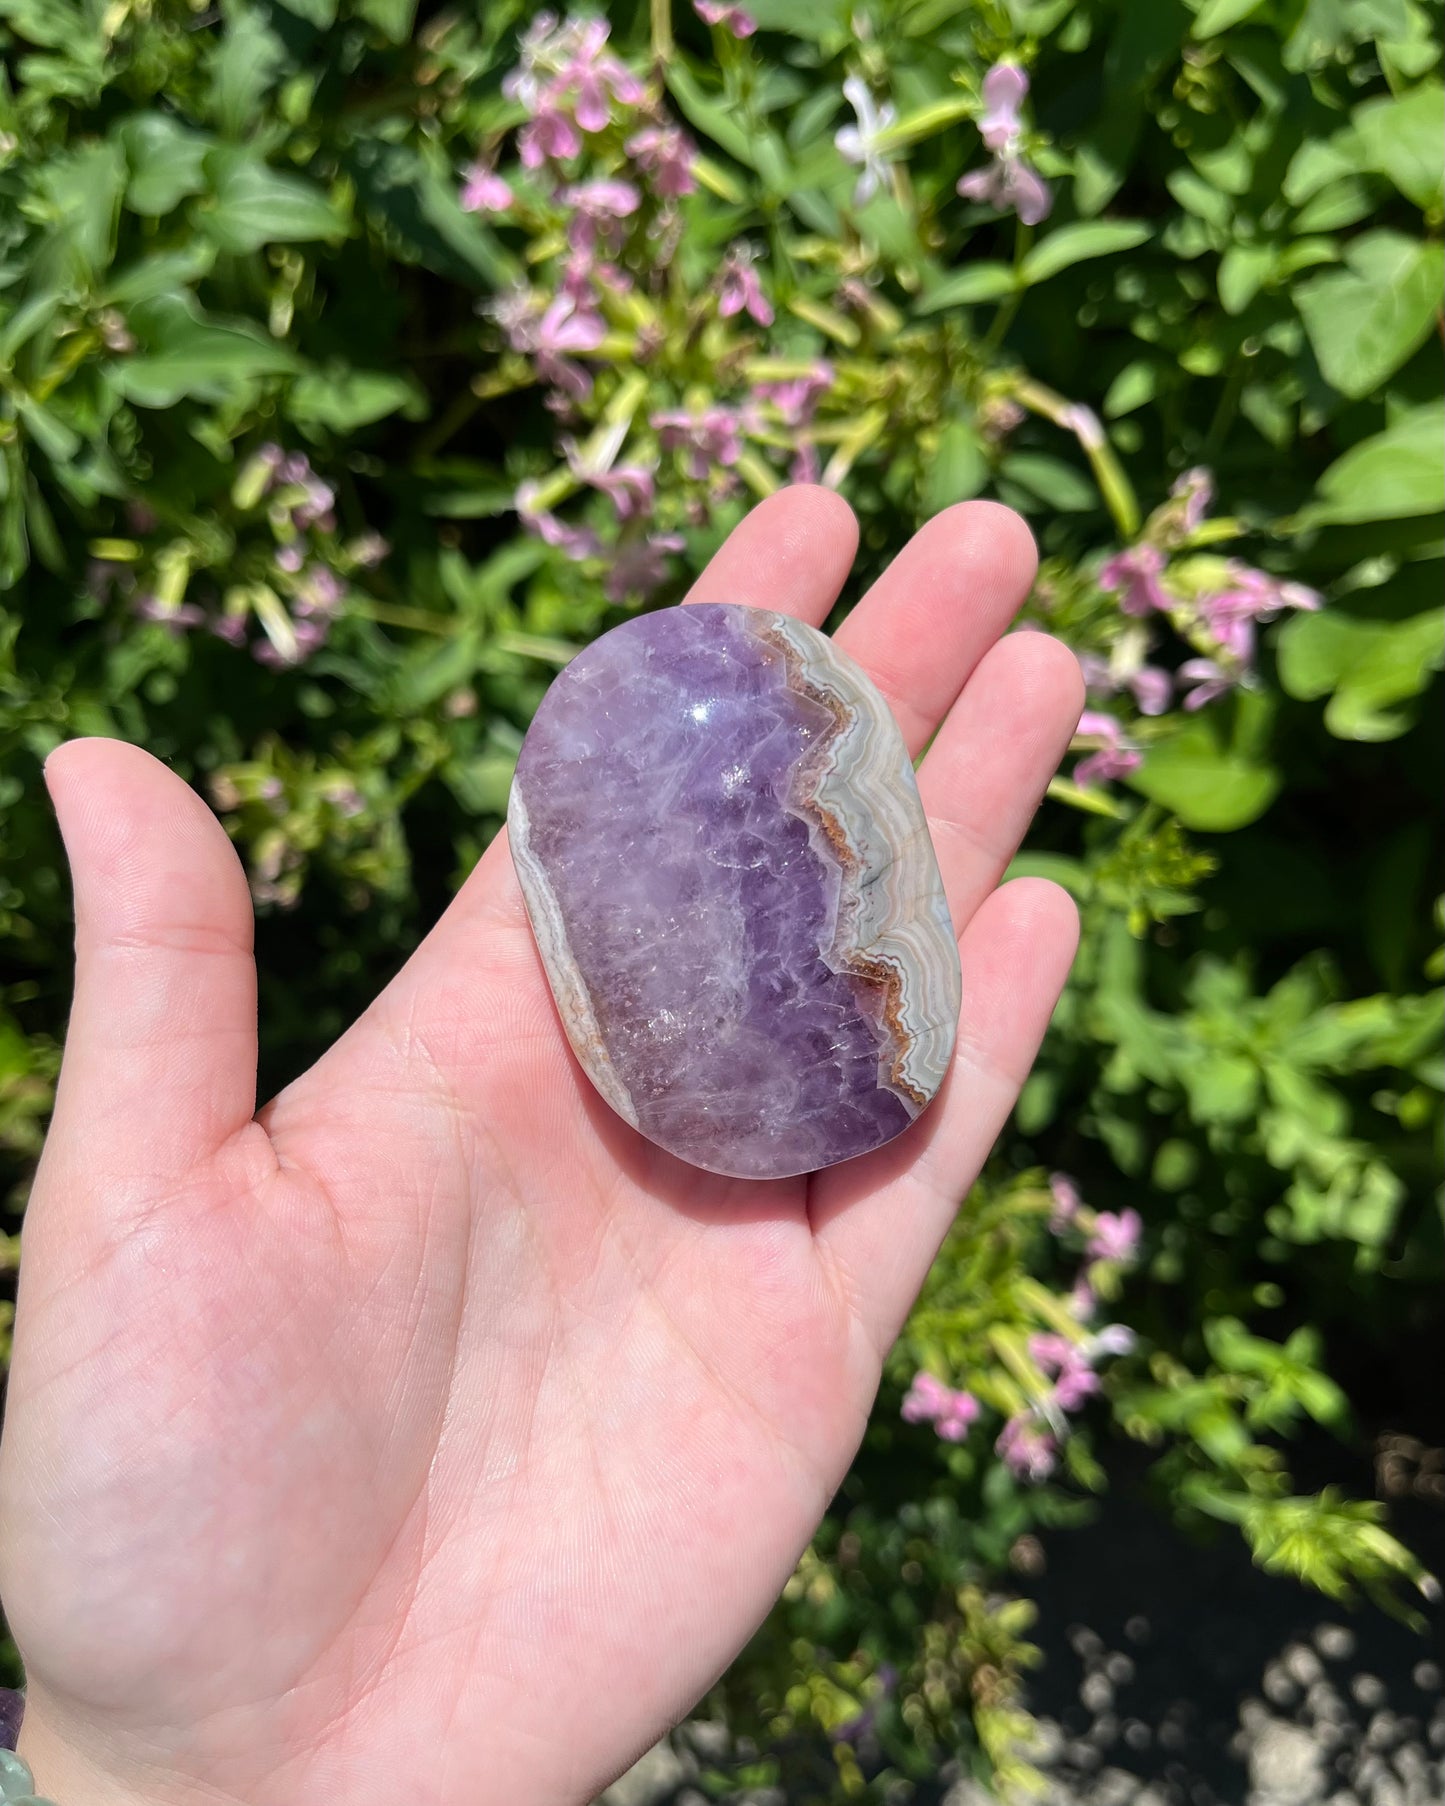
<point x="232" y="225"/>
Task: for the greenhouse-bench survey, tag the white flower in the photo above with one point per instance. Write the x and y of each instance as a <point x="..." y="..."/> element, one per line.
<point x="860" y="143"/>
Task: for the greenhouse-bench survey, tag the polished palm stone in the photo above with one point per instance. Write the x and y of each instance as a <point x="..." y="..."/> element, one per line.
<point x="728" y="872"/>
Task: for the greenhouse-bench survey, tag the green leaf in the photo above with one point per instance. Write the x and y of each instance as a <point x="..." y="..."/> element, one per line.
<point x="59" y="442"/>
<point x="1392" y="476"/>
<point x="1080" y="241"/>
<point x="319" y="13"/>
<point x="1402" y="139"/>
<point x="165" y="162"/>
<point x="184" y="355"/>
<point x="1243" y="270"/>
<point x="1054" y="482"/>
<point x="1366" y="320"/>
<point x="30" y="318"/>
<point x="394" y="19"/>
<point x="249" y="59"/>
<point x="976" y="282"/>
<point x="1317" y="162"/>
<point x="958" y="469"/>
<point x="1135" y="385"/>
<point x="161" y="273"/>
<point x="82" y="189"/>
<point x="1366" y="667"/>
<point x="1209" y="786"/>
<point x="342" y="400"/>
<point x="1215" y="16"/>
<point x="253" y="205"/>
<point x="1342" y="203"/>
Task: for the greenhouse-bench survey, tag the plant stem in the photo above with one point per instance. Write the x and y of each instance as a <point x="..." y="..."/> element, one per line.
<point x="662" y="44"/>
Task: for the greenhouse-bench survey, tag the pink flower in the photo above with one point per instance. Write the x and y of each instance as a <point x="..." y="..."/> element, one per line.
<point x="1255" y="595"/>
<point x="796" y="399"/>
<point x="549" y="134"/>
<point x="319" y="592"/>
<point x="954" y="1423"/>
<point x="176" y="616"/>
<point x="1068" y="1364"/>
<point x="629" y="487"/>
<point x="713" y="437"/>
<point x="1133" y="576"/>
<point x="1095" y="724"/>
<point x="315" y="508"/>
<point x="733" y="18"/>
<point x="1115" y="758"/>
<point x="925" y="1398"/>
<point x="1153" y="689"/>
<point x="1104" y="766"/>
<point x="1067" y="1201"/>
<point x="642" y="567"/>
<point x="1012" y="186"/>
<point x="740" y="289"/>
<point x="667" y="155"/>
<point x="567" y="325"/>
<point x="1210" y="681"/>
<point x="566" y="74"/>
<point x="230" y="628"/>
<point x="1008" y="182"/>
<point x="1027" y="1448"/>
<point x="484" y="191"/>
<point x="1116" y="1236"/>
<point x="524" y="84"/>
<point x="1082" y="1301"/>
<point x="806" y="466"/>
<point x="597" y="79"/>
<point x="1004" y="88"/>
<point x="576" y="543"/>
<point x="928" y="1400"/>
<point x="603" y="199"/>
<point x="598" y="214"/>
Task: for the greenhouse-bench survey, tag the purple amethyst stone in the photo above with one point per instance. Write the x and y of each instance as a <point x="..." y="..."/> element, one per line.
<point x="727" y="868"/>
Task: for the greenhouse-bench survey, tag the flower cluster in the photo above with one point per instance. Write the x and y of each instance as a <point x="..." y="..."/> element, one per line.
<point x="603" y="173"/>
<point x="1054" y="1370"/>
<point x="928" y="1400"/>
<point x="1213" y="604"/>
<point x="289" y="579"/>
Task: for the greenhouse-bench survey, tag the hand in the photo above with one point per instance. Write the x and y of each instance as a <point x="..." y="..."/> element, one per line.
<point x="429" y="1435"/>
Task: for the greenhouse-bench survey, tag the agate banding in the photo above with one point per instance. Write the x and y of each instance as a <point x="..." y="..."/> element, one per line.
<point x="729" y="875"/>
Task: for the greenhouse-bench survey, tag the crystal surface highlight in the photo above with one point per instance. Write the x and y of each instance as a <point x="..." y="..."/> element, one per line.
<point x="729" y="875"/>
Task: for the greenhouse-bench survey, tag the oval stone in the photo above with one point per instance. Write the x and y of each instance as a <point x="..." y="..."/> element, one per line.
<point x="729" y="875"/>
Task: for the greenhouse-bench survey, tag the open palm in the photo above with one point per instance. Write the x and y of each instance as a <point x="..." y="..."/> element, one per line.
<point x="432" y="1436"/>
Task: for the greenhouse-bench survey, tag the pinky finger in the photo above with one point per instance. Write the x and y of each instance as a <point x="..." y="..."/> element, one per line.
<point x="879" y="1221"/>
